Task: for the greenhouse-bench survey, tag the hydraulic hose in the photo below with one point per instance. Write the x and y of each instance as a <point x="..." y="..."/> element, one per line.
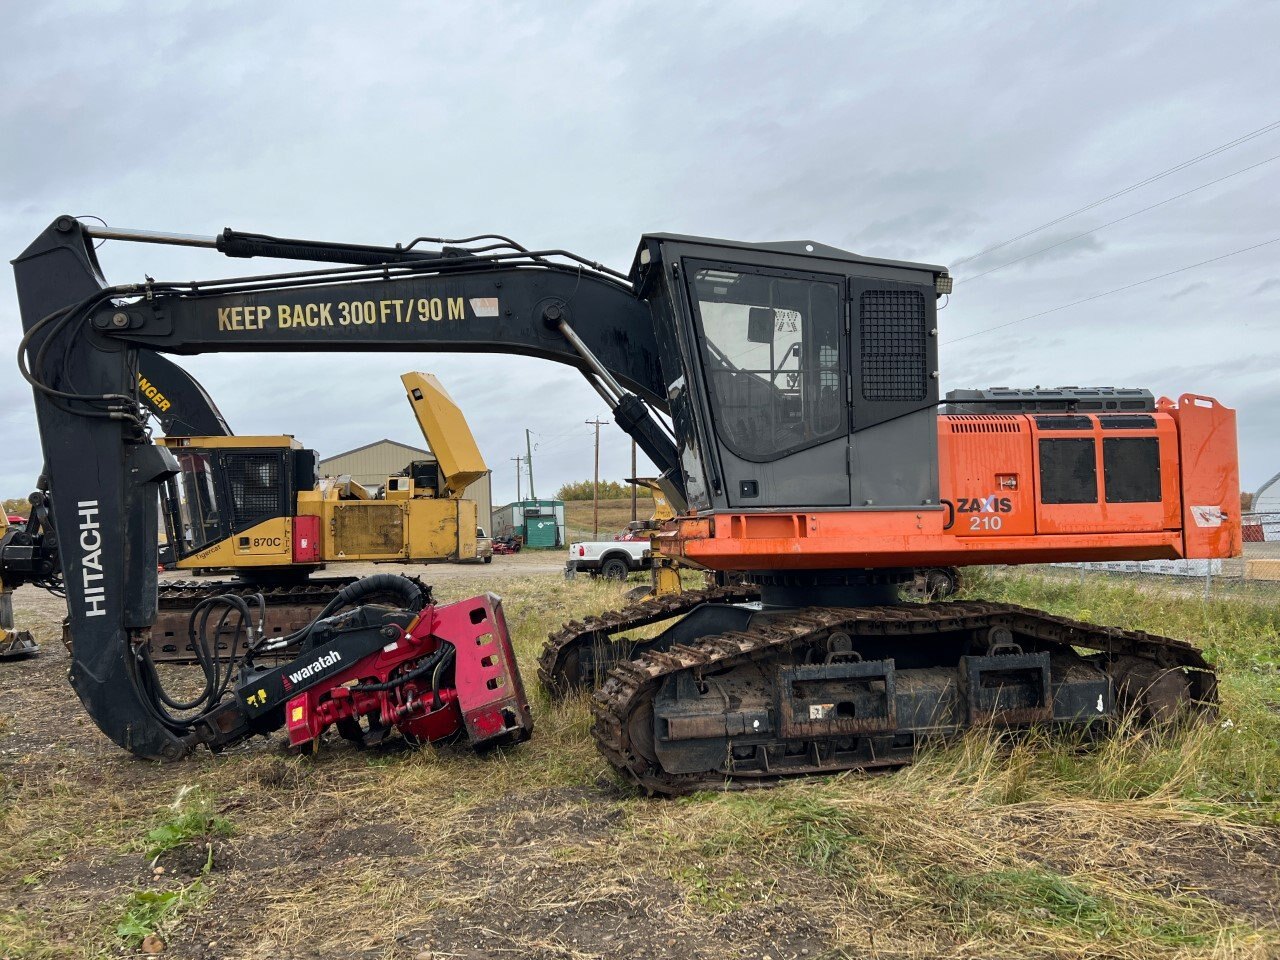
<point x="432" y="662"/>
<point x="409" y="593"/>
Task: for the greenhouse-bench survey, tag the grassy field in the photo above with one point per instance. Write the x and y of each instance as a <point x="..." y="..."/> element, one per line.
<point x="1146" y="846"/>
<point x="614" y="516"/>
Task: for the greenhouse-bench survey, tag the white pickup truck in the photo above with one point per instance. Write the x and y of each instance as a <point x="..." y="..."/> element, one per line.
<point x="612" y="559"/>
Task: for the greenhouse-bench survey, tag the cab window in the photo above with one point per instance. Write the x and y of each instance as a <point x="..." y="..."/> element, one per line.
<point x="770" y="346"/>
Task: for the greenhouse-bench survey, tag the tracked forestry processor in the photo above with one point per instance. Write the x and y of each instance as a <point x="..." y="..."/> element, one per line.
<point x="788" y="395"/>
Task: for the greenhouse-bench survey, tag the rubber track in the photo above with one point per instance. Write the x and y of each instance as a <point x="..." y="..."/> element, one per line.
<point x="177" y="598"/>
<point x="185" y="594"/>
<point x="600" y="629"/>
<point x="630" y="684"/>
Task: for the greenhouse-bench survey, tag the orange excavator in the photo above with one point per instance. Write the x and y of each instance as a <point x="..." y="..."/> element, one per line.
<point x="788" y="395"/>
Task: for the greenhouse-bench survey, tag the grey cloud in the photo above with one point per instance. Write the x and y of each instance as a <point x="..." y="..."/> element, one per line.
<point x="1188" y="289"/>
<point x="1246" y="363"/>
<point x="910" y="131"/>
<point x="1030" y="253"/>
<point x="933" y="225"/>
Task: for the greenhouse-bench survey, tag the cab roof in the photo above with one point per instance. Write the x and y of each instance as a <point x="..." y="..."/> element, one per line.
<point x="802" y="248"/>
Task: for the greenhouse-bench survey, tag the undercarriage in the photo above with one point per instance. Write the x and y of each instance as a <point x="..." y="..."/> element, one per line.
<point x="744" y="694"/>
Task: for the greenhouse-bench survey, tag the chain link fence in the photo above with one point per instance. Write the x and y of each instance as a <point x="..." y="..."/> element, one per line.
<point x="1253" y="576"/>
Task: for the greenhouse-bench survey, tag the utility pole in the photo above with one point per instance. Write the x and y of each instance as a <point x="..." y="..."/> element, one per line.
<point x="518" y="460"/>
<point x="595" y="489"/>
<point x="528" y="443"/>
<point x="634" y="489"/>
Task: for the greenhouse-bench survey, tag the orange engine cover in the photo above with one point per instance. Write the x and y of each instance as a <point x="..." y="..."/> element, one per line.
<point x="1018" y="488"/>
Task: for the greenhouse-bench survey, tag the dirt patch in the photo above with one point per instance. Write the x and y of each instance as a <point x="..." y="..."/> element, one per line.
<point x="202" y="858"/>
<point x="97" y="875"/>
<point x="1243" y="875"/>
<point x="540" y="888"/>
<point x="578" y="813"/>
<point x="539" y="909"/>
<point x="338" y="843"/>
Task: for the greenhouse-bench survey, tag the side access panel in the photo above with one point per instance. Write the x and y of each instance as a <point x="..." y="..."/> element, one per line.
<point x="892" y="334"/>
<point x="1104" y="473"/>
<point x="365" y="530"/>
<point x="987" y="476"/>
<point x="441" y="529"/>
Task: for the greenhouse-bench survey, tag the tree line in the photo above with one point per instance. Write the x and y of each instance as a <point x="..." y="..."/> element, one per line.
<point x="582" y="490"/>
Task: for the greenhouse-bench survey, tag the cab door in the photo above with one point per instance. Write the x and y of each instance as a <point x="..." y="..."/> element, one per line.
<point x="893" y="394"/>
<point x="772" y="347"/>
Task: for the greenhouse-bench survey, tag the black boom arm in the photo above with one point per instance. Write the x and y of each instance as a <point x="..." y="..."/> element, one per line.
<point x="177" y="399"/>
<point x="90" y="353"/>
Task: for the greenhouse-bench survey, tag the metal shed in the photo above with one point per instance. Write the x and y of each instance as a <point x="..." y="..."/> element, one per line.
<point x="539" y="522"/>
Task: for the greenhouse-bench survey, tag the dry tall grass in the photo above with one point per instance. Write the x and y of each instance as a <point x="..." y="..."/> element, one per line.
<point x="1150" y="844"/>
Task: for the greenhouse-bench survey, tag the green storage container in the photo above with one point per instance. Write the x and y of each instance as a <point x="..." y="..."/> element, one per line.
<point x="541" y="531"/>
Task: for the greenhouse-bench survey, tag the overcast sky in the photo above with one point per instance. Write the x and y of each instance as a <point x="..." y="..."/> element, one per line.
<point x="924" y="132"/>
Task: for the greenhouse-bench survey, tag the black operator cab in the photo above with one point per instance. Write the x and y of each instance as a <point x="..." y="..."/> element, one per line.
<point x="807" y="375"/>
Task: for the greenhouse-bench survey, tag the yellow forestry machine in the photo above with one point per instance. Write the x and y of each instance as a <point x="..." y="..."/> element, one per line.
<point x="255" y="506"/>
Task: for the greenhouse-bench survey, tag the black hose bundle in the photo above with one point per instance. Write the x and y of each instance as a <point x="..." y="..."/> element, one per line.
<point x="217" y="674"/>
<point x="408" y="593"/>
<point x="434" y="661"/>
<point x="235" y="619"/>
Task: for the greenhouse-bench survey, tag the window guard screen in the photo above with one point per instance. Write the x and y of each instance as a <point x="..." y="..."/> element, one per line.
<point x="894" y="345"/>
<point x="770" y="347"/>
<point x="254" y="481"/>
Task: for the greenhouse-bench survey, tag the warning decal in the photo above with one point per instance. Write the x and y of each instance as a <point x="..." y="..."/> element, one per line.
<point x="1208" y="516"/>
<point x="484" y="306"/>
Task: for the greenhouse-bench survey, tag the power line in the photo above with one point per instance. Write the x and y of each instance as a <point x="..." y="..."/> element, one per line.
<point x="547" y="447"/>
<point x="1107" y="293"/>
<point x="554" y="436"/>
<point x="1112" y="223"/>
<point x="1129" y="189"/>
